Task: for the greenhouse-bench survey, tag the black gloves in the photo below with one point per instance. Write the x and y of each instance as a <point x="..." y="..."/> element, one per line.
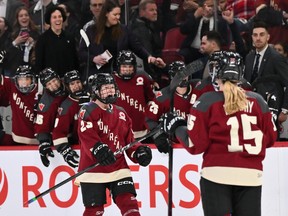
<point x="143" y="155"/>
<point x="103" y="154"/>
<point x="69" y="155"/>
<point x="45" y="152"/>
<point x="161" y="141"/>
<point x="171" y="121"/>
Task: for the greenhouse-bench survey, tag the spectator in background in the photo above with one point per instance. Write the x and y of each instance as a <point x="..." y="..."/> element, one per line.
<point x="243" y="9"/>
<point x="5" y="45"/>
<point x="267" y="70"/>
<point x="65" y="129"/>
<point x="95" y="8"/>
<point x="71" y="24"/>
<point x="185" y="8"/>
<point x="275" y="15"/>
<point x="55" y="48"/>
<point x="22" y="94"/>
<point x="36" y="12"/>
<point x="136" y="90"/>
<point x="146" y="29"/>
<point x="196" y="24"/>
<point x="54" y="94"/>
<point x="108" y="34"/>
<point x="282" y="49"/>
<point x="24" y="36"/>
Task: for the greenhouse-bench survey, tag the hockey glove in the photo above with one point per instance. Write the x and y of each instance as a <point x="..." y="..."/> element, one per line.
<point x="69" y="155"/>
<point x="103" y="154"/>
<point x="161" y="141"/>
<point x="143" y="155"/>
<point x="171" y="121"/>
<point x="45" y="152"/>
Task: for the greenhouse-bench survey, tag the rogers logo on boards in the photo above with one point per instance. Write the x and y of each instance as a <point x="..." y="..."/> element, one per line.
<point x="3" y="187"/>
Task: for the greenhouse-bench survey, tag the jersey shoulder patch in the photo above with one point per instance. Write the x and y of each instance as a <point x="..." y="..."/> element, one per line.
<point x="207" y="99"/>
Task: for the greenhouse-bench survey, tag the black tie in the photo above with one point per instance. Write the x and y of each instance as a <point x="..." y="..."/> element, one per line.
<point x="256" y="67"/>
<point x="204" y="28"/>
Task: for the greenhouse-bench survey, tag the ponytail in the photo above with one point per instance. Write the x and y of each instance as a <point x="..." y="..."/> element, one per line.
<point x="235" y="98"/>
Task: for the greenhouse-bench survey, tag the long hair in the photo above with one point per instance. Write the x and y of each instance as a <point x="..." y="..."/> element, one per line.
<point x="108" y="6"/>
<point x="16" y="25"/>
<point x="235" y="97"/>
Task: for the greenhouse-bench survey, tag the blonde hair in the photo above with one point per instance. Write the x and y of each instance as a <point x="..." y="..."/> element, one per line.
<point x="235" y="98"/>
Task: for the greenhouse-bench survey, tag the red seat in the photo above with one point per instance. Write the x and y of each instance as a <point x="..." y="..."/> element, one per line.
<point x="171" y="55"/>
<point x="173" y="39"/>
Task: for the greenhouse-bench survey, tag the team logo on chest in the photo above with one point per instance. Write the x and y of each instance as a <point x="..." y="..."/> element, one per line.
<point x="81" y="114"/>
<point x="41" y="106"/>
<point x="139" y="81"/>
<point x="60" y="109"/>
<point x="122" y="116"/>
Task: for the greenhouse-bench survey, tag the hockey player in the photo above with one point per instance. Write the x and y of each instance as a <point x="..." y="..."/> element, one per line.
<point x="104" y="128"/>
<point x="232" y="128"/>
<point x="21" y="93"/>
<point x="161" y="104"/>
<point x="54" y="94"/>
<point x="65" y="129"/>
<point x="136" y="90"/>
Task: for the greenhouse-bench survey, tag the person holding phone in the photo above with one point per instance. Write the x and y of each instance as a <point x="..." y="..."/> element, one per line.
<point x="23" y="37"/>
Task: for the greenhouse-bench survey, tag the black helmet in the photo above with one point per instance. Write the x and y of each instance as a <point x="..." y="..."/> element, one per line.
<point x="97" y="82"/>
<point x="126" y="57"/>
<point x="174" y="68"/>
<point x="228" y="66"/>
<point x="25" y="71"/>
<point x="70" y="77"/>
<point x="47" y="75"/>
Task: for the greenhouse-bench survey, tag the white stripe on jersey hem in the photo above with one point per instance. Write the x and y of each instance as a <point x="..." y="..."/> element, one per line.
<point x="60" y="141"/>
<point x="233" y="175"/>
<point x="24" y="140"/>
<point x="100" y="177"/>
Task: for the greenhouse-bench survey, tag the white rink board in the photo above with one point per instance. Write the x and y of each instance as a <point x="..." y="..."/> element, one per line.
<point x="21" y="170"/>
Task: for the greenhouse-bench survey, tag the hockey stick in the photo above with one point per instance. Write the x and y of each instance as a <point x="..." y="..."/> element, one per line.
<point x="92" y="166"/>
<point x="191" y="68"/>
<point x="87" y="42"/>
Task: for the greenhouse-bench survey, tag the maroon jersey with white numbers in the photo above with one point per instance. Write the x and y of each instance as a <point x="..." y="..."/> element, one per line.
<point x="134" y="97"/>
<point x="161" y="105"/>
<point x="113" y="127"/>
<point x="46" y="115"/>
<point x="233" y="145"/>
<point x="22" y="107"/>
<point x="66" y="123"/>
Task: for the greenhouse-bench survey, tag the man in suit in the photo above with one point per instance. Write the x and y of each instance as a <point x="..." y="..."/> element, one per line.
<point x="268" y="72"/>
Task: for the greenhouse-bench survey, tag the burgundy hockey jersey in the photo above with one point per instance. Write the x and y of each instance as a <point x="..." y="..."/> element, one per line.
<point x="113" y="127"/>
<point x="46" y="115"/>
<point x="134" y="97"/>
<point x="233" y="145"/>
<point x="22" y="107"/>
<point x="66" y="122"/>
<point x="161" y="105"/>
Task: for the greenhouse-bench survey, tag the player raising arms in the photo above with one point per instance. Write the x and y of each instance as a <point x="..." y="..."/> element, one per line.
<point x="161" y="104"/>
<point x="104" y="128"/>
<point x="22" y="95"/>
<point x="232" y="128"/>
